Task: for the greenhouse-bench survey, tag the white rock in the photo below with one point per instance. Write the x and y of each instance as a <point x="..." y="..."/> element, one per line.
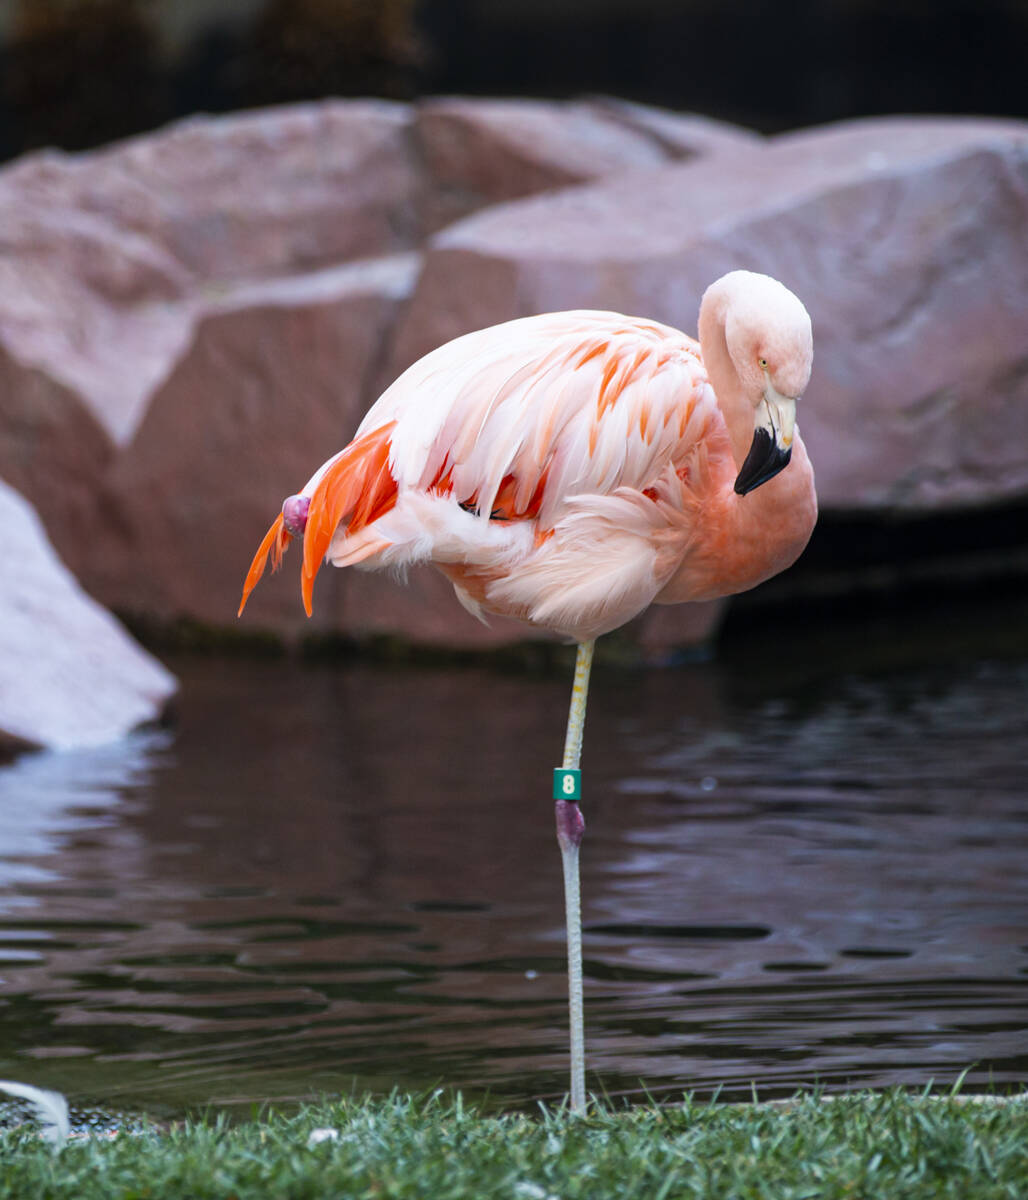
<point x="69" y="673"/>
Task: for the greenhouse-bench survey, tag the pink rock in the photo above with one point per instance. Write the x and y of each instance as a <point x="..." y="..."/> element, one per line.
<point x="113" y="253"/>
<point x="679" y="135"/>
<point x="69" y="674"/>
<point x="53" y="451"/>
<point x="249" y="194"/>
<point x="480" y="152"/>
<point x="77" y="294"/>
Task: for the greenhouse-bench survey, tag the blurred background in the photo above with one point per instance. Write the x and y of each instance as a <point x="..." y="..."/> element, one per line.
<point x="326" y="861"/>
<point x="69" y="66"/>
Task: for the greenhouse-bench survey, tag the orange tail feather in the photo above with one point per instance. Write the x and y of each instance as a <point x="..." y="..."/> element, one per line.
<point x="357" y="484"/>
<point x="275" y="543"/>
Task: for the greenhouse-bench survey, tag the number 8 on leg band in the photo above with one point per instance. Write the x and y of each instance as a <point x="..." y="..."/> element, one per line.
<point x="567" y="784"/>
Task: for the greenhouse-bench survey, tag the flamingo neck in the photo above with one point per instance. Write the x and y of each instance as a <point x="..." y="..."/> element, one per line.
<point x="724" y="379"/>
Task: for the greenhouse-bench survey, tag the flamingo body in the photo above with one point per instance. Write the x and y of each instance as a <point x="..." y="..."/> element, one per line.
<point x="566" y="469"/>
<point x="571" y="468"/>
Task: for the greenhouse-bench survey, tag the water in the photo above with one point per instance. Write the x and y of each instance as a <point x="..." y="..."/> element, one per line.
<point x="804" y="864"/>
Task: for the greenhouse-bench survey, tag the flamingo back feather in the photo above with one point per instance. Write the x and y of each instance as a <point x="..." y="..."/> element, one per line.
<point x="563" y="404"/>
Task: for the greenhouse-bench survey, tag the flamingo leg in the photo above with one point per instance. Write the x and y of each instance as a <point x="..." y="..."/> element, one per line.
<point x="570" y="827"/>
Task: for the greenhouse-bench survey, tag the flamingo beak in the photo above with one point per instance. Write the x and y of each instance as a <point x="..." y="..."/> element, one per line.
<point x="771" y="447"/>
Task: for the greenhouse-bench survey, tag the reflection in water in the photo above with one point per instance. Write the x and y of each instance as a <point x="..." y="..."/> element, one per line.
<point x="44" y="796"/>
<point x="339" y="877"/>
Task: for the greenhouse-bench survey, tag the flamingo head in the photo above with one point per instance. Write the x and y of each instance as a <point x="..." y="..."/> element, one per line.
<point x="769" y="339"/>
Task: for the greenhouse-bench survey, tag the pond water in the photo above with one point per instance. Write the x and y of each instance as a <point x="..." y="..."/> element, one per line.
<point x="805" y="863"/>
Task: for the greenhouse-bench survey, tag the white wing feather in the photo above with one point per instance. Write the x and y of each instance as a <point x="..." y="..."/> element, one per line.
<point x="531" y="404"/>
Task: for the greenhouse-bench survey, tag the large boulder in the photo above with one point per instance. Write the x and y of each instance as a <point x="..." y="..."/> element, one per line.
<point x="480" y="152"/>
<point x="904" y="238"/>
<point x="681" y="135"/>
<point x="110" y="253"/>
<point x="239" y="196"/>
<point x="69" y="674"/>
<point x="52" y="449"/>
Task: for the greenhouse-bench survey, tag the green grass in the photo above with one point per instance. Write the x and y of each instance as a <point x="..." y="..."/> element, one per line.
<point x="889" y="1145"/>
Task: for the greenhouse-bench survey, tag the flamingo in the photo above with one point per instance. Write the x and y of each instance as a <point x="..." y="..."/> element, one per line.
<point x="568" y="470"/>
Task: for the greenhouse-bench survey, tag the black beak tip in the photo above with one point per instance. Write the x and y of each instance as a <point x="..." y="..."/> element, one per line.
<point x="765" y="459"/>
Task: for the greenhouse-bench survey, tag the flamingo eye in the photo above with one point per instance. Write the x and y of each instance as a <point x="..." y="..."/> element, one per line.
<point x="763" y="363"/>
